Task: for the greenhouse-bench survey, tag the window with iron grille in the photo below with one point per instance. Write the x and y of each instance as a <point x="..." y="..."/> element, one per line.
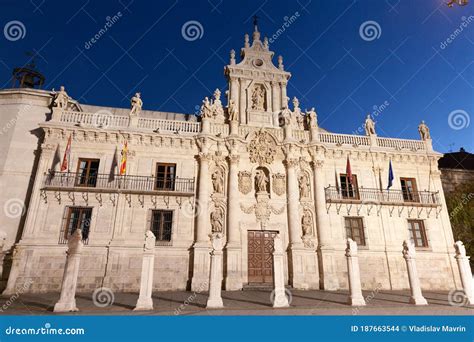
<point x="76" y="218"/>
<point x="355" y="229"/>
<point x="409" y="190"/>
<point x="161" y="224"/>
<point x="349" y="190"/>
<point x="87" y="171"/>
<point x="165" y="176"/>
<point x="418" y="233"/>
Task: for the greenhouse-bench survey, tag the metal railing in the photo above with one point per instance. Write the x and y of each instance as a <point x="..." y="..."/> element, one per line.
<point x="74" y="180"/>
<point x="377" y="196"/>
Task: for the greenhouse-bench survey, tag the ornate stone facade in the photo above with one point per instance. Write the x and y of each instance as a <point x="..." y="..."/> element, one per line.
<point x="249" y="165"/>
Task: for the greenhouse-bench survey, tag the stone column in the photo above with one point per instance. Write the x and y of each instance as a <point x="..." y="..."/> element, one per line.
<point x="243" y="102"/>
<point x="203" y="224"/>
<point x="275" y="95"/>
<point x="353" y="272"/>
<point x="464" y="271"/>
<point x="14" y="273"/>
<point x="279" y="298"/>
<point x="294" y="223"/>
<point x="67" y="300"/>
<point x="410" y="257"/>
<point x="327" y="277"/>
<point x="233" y="280"/>
<point x="234" y="91"/>
<point x="283" y="94"/>
<point x="215" y="278"/>
<point x="145" y="302"/>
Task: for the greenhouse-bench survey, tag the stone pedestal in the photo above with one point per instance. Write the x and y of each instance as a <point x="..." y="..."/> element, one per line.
<point x="314" y="134"/>
<point x="279" y="298"/>
<point x="145" y="302"/>
<point x="353" y="272"/>
<point x="215" y="278"/>
<point x="234" y="127"/>
<point x="133" y="121"/>
<point x="14" y="273"/>
<point x="410" y="257"/>
<point x="465" y="272"/>
<point x="67" y="300"/>
<point x="205" y="126"/>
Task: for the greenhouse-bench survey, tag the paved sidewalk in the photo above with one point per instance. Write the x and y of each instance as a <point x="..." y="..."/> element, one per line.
<point x="248" y="302"/>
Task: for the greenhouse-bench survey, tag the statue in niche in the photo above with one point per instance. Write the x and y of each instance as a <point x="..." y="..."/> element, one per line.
<point x="304" y="186"/>
<point x="261" y="181"/>
<point x="218" y="181"/>
<point x="258" y="98"/>
<point x="369" y="126"/>
<point x="232" y="110"/>
<point x="307" y="224"/>
<point x="312" y="118"/>
<point x="206" y="110"/>
<point x="424" y="131"/>
<point x="217" y="220"/>
<point x="136" y="105"/>
<point x="61" y="99"/>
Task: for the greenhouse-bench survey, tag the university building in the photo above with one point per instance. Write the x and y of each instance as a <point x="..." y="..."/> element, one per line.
<point x="248" y="168"/>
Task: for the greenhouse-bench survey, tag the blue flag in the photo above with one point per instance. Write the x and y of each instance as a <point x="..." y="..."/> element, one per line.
<point x="390" y="175"/>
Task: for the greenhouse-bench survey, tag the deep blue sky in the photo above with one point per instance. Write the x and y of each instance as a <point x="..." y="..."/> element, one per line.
<point x="333" y="68"/>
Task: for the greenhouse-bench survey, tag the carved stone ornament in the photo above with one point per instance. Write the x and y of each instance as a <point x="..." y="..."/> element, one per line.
<point x="245" y="182"/>
<point x="279" y="184"/>
<point x="262" y="148"/>
<point x="262" y="210"/>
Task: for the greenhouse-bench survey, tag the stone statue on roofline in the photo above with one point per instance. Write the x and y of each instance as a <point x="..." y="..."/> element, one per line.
<point x="232" y="111"/>
<point x="61" y="99"/>
<point x="216" y="106"/>
<point x="206" y="110"/>
<point x="312" y="118"/>
<point x="424" y="131"/>
<point x="136" y="105"/>
<point x="369" y="126"/>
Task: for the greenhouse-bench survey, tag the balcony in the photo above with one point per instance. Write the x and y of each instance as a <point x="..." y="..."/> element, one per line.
<point x="72" y="181"/>
<point x="383" y="197"/>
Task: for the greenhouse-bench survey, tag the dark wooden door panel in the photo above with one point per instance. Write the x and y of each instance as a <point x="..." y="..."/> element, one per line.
<point x="260" y="259"/>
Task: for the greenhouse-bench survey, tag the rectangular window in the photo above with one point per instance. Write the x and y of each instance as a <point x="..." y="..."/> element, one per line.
<point x="418" y="233"/>
<point x="161" y="224"/>
<point x="348" y="190"/>
<point x="87" y="171"/>
<point x="165" y="176"/>
<point x="355" y="230"/>
<point x="409" y="190"/>
<point x="76" y="218"/>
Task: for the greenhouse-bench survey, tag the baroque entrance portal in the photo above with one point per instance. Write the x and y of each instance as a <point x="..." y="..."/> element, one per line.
<point x="260" y="249"/>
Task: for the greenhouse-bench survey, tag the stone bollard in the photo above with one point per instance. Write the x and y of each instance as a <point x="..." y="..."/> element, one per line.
<point x="464" y="271"/>
<point x="67" y="300"/>
<point x="145" y="302"/>
<point x="279" y="300"/>
<point x="353" y="271"/>
<point x="409" y="254"/>
<point x="215" y="278"/>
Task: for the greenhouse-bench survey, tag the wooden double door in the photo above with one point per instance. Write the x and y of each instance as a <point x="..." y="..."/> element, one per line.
<point x="260" y="258"/>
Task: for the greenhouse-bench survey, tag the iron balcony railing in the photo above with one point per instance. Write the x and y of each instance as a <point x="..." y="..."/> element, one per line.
<point x="377" y="196"/>
<point x="112" y="182"/>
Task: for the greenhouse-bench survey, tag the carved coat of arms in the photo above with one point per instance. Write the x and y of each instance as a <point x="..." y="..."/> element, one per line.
<point x="279" y="183"/>
<point x="262" y="148"/>
<point x="245" y="182"/>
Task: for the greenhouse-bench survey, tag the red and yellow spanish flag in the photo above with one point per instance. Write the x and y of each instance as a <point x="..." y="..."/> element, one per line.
<point x="123" y="161"/>
<point x="66" y="156"/>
